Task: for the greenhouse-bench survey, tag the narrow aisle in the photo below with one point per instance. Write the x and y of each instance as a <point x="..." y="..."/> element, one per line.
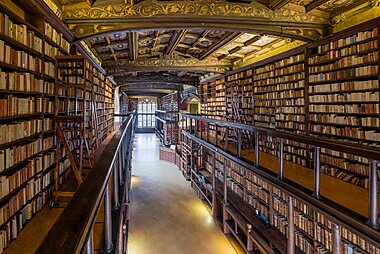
<point x="166" y="215"/>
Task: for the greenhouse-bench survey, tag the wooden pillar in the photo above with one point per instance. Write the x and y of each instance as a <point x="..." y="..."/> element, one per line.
<point x="214" y="210"/>
<point x="336" y="240"/>
<point x="373" y="195"/>
<point x="281" y="160"/>
<point x="291" y="240"/>
<point x="317" y="168"/>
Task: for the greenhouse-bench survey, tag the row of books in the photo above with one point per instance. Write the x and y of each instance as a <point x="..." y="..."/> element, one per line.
<point x="20" y="33"/>
<point x="335" y="55"/>
<point x="354" y="73"/>
<point x="257" y="204"/>
<point x="263" y="69"/>
<point x="289" y="94"/>
<point x="49" y="69"/>
<point x="345" y="120"/>
<point x="355" y="38"/>
<point x="289" y="60"/>
<point x="345" y="109"/>
<point x="292" y="117"/>
<point x="19" y="58"/>
<point x="11" y="229"/>
<point x="304" y="223"/>
<point x="357" y="168"/>
<point x="349" y="87"/>
<point x="347" y="132"/>
<point x="57" y="37"/>
<point x="14" y="106"/>
<point x="303" y="243"/>
<point x="257" y="191"/>
<point x="51" y="50"/>
<point x="16" y="154"/>
<point x="366" y="97"/>
<point x="290" y="69"/>
<point x="14" y="131"/>
<point x="23" y="82"/>
<point x="239" y="75"/>
<point x="292" y="126"/>
<point x="14" y="181"/>
<point x="345" y="62"/>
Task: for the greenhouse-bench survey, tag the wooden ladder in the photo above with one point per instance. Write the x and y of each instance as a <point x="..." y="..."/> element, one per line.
<point x="237" y="116"/>
<point x="75" y="120"/>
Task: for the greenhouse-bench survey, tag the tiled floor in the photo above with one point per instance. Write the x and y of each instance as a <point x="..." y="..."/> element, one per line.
<point x="166" y="215"/>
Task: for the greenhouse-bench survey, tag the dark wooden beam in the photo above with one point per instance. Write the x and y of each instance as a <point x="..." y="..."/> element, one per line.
<point x="148" y="86"/>
<point x="277" y="4"/>
<point x="227" y="39"/>
<point x="91" y="2"/>
<point x="176" y="39"/>
<point x="314" y="4"/>
<point x="214" y="69"/>
<point x="133" y="45"/>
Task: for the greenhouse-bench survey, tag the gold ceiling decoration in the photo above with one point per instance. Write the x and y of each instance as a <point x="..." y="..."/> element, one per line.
<point x="171" y="62"/>
<point x="200" y="8"/>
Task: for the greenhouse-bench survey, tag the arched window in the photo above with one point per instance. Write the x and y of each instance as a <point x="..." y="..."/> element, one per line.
<point x="145" y="110"/>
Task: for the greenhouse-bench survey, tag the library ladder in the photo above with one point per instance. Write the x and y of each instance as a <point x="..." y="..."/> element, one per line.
<point x="75" y="123"/>
<point x="237" y="116"/>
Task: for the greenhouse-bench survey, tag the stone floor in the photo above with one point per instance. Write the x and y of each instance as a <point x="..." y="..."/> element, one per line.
<point x="166" y="215"/>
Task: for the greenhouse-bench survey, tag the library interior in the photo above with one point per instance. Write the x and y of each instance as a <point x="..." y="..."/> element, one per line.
<point x="189" y="126"/>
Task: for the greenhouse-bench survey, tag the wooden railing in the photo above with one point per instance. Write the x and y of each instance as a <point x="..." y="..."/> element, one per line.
<point x="109" y="184"/>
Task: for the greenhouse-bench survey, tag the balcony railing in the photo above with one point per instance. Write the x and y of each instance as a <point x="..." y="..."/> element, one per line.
<point x="106" y="187"/>
<point x="198" y="129"/>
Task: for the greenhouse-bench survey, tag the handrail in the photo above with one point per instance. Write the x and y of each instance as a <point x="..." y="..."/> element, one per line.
<point x="313" y="143"/>
<point x="354" y="221"/>
<point x="351" y="148"/>
<point x="167" y="111"/>
<point x="72" y="232"/>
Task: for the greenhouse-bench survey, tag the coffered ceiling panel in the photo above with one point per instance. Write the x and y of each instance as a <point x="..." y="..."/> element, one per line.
<point x="246" y="44"/>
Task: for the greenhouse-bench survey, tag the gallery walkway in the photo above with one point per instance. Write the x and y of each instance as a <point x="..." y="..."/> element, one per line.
<point x="166" y="215"/>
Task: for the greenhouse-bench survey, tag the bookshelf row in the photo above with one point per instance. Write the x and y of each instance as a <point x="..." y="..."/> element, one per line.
<point x="327" y="89"/>
<point x="313" y="228"/>
<point x="29" y="154"/>
<point x="27" y="142"/>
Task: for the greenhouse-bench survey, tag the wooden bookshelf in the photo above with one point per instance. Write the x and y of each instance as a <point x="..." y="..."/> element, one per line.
<point x="213" y="95"/>
<point x="329" y="88"/>
<point x="167" y="119"/>
<point x="169" y="102"/>
<point x="27" y="156"/>
<point x="344" y="99"/>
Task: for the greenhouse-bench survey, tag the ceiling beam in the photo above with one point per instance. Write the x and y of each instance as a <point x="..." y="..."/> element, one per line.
<point x="278" y="4"/>
<point x="133" y="45"/>
<point x="204" y="34"/>
<point x="176" y="39"/>
<point x="144" y="86"/>
<point x="159" y="93"/>
<point x="314" y="4"/>
<point x="221" y="43"/>
<point x="215" y="69"/>
<point x="346" y="8"/>
<point x="111" y="48"/>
